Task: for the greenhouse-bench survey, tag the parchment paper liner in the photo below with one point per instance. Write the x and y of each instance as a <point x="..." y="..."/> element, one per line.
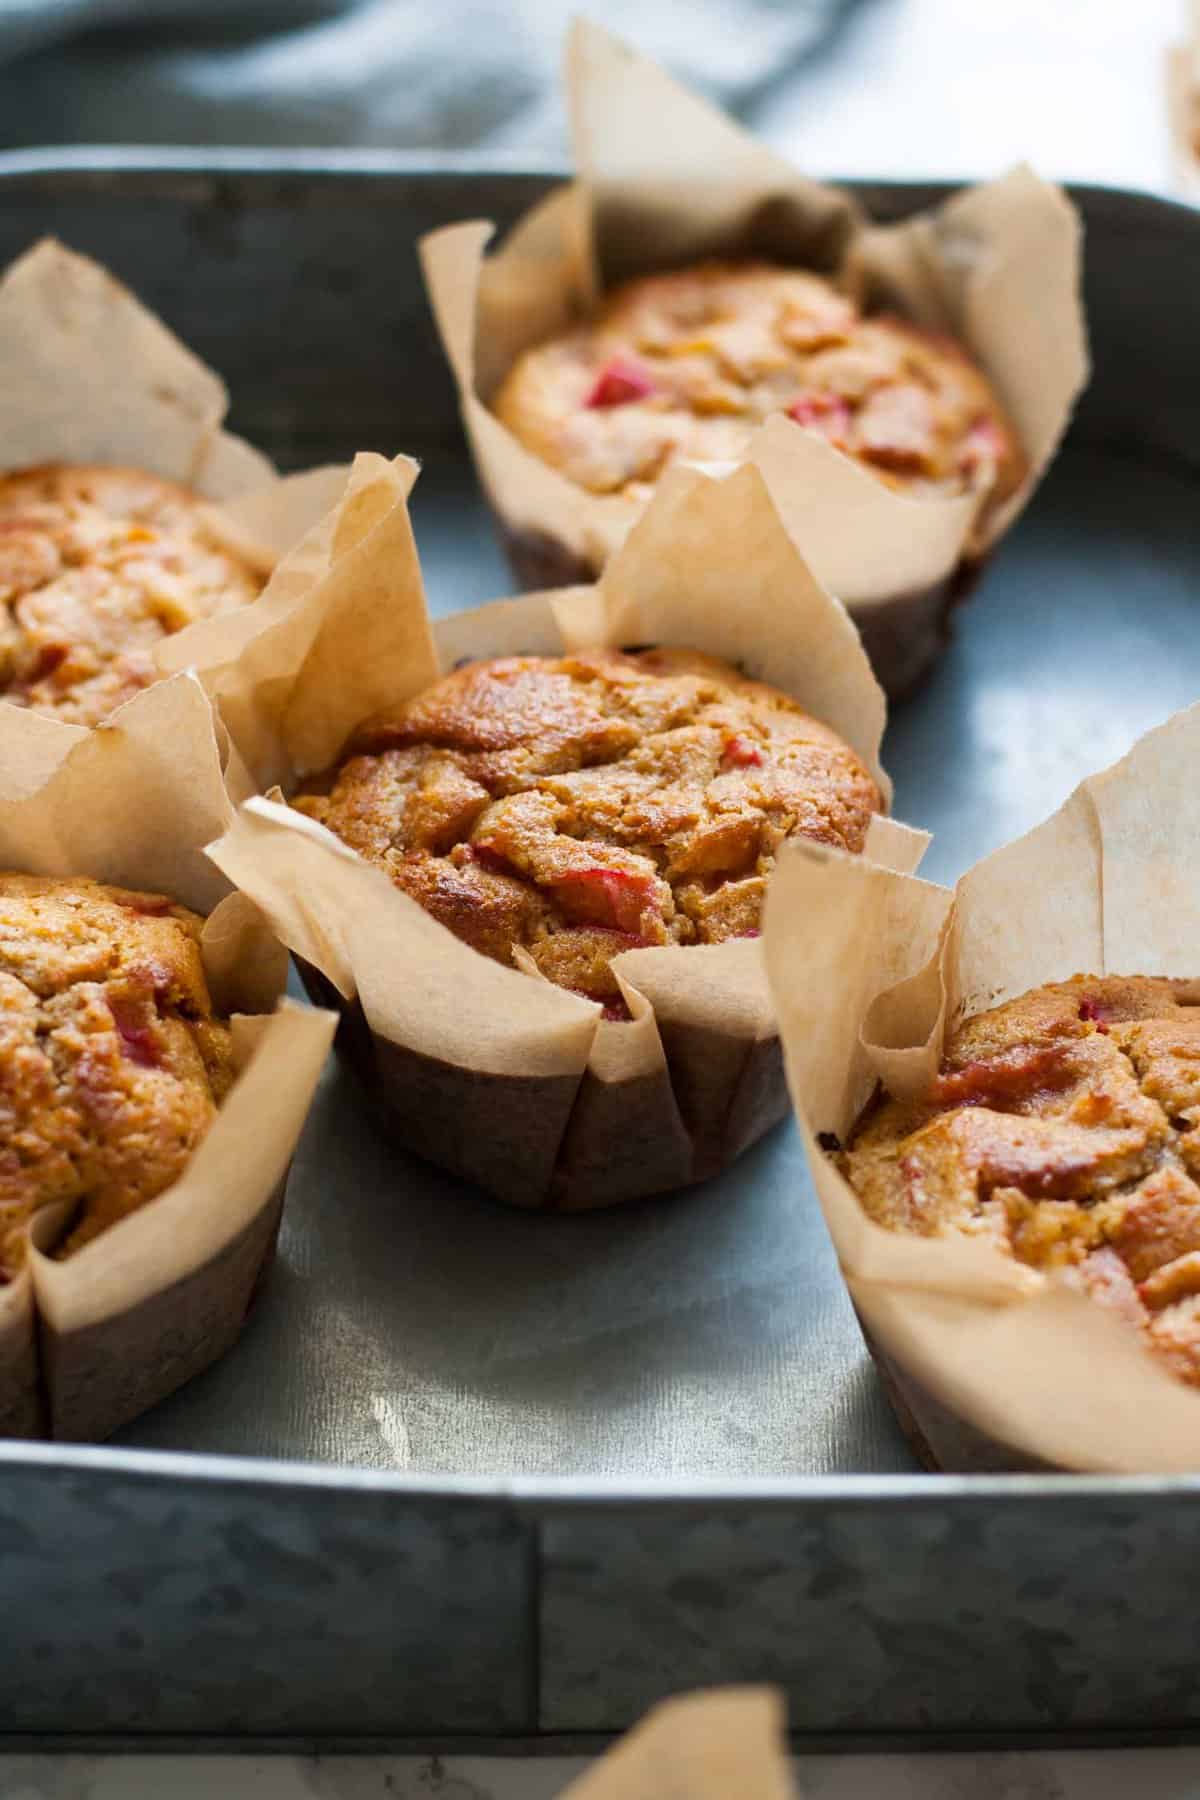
<point x="664" y="179"/>
<point x="88" y="375"/>
<point x="87" y="1343"/>
<point x="996" y="1365"/>
<point x="1183" y="107"/>
<point x="712" y="1745"/>
<point x="495" y="1074"/>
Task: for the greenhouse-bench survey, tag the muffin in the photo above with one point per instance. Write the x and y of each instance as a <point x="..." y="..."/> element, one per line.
<point x="97" y="566"/>
<point x="566" y="809"/>
<point x="995" y="267"/>
<point x="1063" y="1128"/>
<point x="504" y="825"/>
<point x="153" y="1078"/>
<point x="687" y="364"/>
<point x="112" y="1064"/>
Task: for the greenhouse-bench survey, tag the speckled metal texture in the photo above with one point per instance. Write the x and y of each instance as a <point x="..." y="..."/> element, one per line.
<point x="943" y="1607"/>
<point x="532" y="1473"/>
<point x="168" y="1595"/>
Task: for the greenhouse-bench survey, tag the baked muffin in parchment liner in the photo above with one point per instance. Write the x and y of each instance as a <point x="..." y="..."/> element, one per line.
<point x="1007" y="1072"/>
<point x="665" y="182"/>
<point x="493" y="1072"/>
<point x="100" y="1320"/>
<point x="126" y="510"/>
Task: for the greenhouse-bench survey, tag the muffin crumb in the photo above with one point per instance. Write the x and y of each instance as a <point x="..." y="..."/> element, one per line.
<point x="97" y="566"/>
<point x="688" y="364"/>
<point x="112" y="1064"/>
<point x="1063" y="1128"/>
<point x="579" y="806"/>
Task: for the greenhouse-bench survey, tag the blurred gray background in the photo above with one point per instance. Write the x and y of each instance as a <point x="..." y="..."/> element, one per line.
<point x="912" y="87"/>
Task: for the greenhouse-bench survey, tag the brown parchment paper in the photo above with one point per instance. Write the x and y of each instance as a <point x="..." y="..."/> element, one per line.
<point x="88" y="375"/>
<point x="87" y="1343"/>
<point x="663" y="179"/>
<point x="723" y="1744"/>
<point x="994" y="1364"/>
<point x="500" y="1076"/>
<point x="1183" y="107"/>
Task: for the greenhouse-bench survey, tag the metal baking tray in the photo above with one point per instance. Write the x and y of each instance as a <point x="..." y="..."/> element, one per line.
<point x="474" y="1476"/>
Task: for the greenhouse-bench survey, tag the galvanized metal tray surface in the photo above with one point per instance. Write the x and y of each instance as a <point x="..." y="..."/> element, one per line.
<point x="526" y="1474"/>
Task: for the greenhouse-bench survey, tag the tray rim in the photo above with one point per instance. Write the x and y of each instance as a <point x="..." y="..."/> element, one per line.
<point x="157" y="160"/>
<point x="538" y="1495"/>
<point x="543" y="1494"/>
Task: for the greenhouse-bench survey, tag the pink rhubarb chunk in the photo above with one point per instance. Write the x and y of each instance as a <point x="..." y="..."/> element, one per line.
<point x="982" y="446"/>
<point x="741" y="753"/>
<point x="139" y="1042"/>
<point x="825" y="413"/>
<point x="1095" y="1013"/>
<point x="615" y="898"/>
<point x="620" y="381"/>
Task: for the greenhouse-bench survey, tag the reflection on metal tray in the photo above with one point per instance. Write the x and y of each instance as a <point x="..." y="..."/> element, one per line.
<point x="534" y="1472"/>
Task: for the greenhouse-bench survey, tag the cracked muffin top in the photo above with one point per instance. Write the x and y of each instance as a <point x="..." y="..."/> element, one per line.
<point x="97" y="565"/>
<point x="111" y="1062"/>
<point x="1064" y="1128"/>
<point x="573" y="807"/>
<point x="688" y="364"/>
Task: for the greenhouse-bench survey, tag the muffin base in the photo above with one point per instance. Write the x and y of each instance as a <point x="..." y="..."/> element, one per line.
<point x="903" y="637"/>
<point x="81" y="1385"/>
<point x="22" y="1395"/>
<point x="98" y="1378"/>
<point x="562" y="1143"/>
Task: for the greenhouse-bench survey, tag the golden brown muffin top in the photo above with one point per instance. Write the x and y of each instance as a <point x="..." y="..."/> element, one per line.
<point x="688" y="364"/>
<point x="577" y="806"/>
<point x="111" y="1062"/>
<point x="1064" y="1128"/>
<point x="97" y="566"/>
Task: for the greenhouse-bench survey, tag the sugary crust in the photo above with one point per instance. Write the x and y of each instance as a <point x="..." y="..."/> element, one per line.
<point x="111" y="1062"/>
<point x="97" y="566"/>
<point x="687" y="364"/>
<point x="573" y="807"/>
<point x="1063" y="1128"/>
